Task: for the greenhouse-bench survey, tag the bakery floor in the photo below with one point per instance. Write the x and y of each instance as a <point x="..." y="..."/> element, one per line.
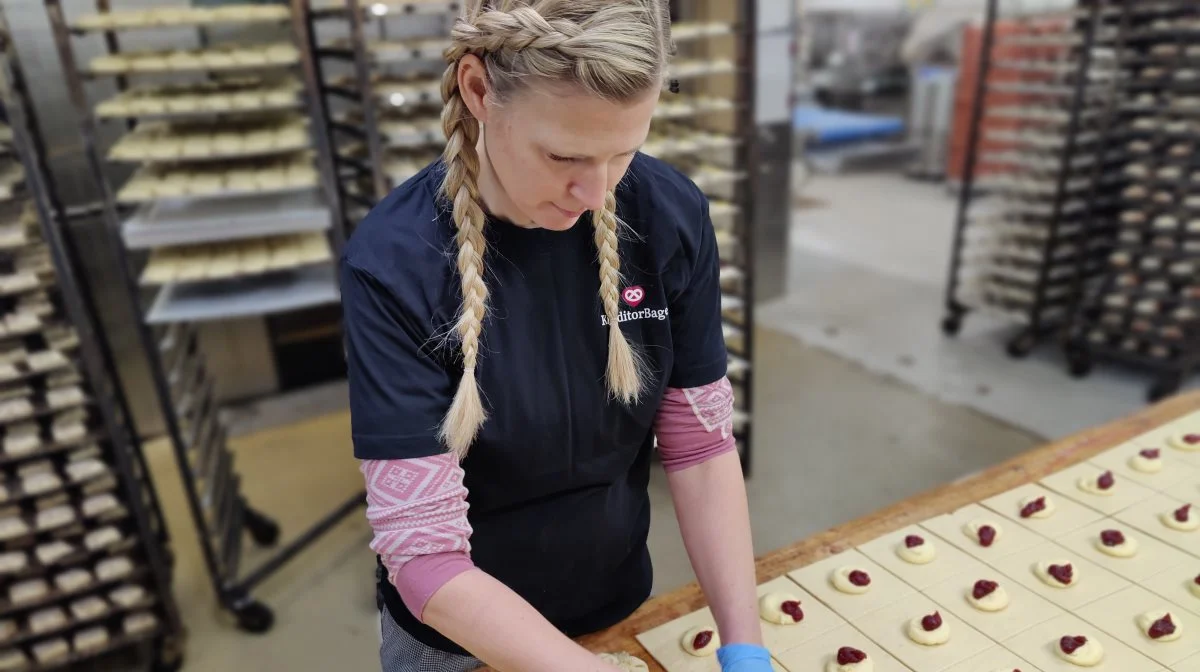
<point x="834" y="442"/>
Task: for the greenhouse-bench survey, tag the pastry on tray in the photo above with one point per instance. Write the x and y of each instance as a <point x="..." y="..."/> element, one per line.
<point x="987" y="595"/>
<point x="1080" y="650"/>
<point x="780" y="609"/>
<point x="916" y="550"/>
<point x="1116" y="544"/>
<point x="700" y="641"/>
<point x="929" y="630"/>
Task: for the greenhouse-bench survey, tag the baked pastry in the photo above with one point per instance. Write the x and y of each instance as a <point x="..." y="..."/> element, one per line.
<point x="46" y="620"/>
<point x="1057" y="574"/>
<point x="55" y="516"/>
<point x="52" y="552"/>
<point x="91" y="639"/>
<point x="98" y="505"/>
<point x="1080" y="650"/>
<point x="850" y="580"/>
<point x="73" y="580"/>
<point x="8" y="629"/>
<point x="86" y="469"/>
<point x="780" y="609"/>
<point x="988" y="595"/>
<point x="101" y="538"/>
<point x="700" y="641"/>
<point x="28" y="591"/>
<point x="850" y="659"/>
<point x="13" y="562"/>
<point x="22" y="438"/>
<point x="985" y="533"/>
<point x="140" y="622"/>
<point x="128" y="595"/>
<point x="41" y="482"/>
<point x="88" y="608"/>
<point x="114" y="568"/>
<point x="12" y="526"/>
<point x="13" y="660"/>
<point x="929" y="630"/>
<point x="49" y="651"/>
<point x="1181" y="519"/>
<point x="1159" y="626"/>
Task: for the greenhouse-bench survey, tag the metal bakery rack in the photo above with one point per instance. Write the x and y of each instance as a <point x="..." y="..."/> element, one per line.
<point x="85" y="568"/>
<point x="1144" y="309"/>
<point x="1030" y="230"/>
<point x="234" y="216"/>
<point x="379" y="69"/>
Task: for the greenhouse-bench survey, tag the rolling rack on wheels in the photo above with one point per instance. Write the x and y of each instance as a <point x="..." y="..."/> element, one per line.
<point x="1145" y="307"/>
<point x="85" y="570"/>
<point x="234" y="216"/>
<point x="1026" y="222"/>
<point x="380" y="75"/>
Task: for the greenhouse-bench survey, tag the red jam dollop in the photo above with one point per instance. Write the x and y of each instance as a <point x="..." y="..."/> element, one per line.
<point x="912" y="541"/>
<point x="1105" y="481"/>
<point x="1191" y="439"/>
<point x="1069" y="644"/>
<point x="1064" y="574"/>
<point x="1183" y="513"/>
<point x="983" y="588"/>
<point x="987" y="536"/>
<point x="1033" y="507"/>
<point x="849" y="655"/>
<point x="1151" y="453"/>
<point x="932" y="622"/>
<point x="860" y="578"/>
<point x="792" y="608"/>
<point x="702" y="639"/>
<point x="1112" y="538"/>
<point x="1162" y="627"/>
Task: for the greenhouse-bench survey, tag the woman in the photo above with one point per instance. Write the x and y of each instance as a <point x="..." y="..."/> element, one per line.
<point x="523" y="317"/>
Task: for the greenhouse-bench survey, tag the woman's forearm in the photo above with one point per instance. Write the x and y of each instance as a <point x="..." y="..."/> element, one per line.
<point x="491" y="621"/>
<point x="714" y="519"/>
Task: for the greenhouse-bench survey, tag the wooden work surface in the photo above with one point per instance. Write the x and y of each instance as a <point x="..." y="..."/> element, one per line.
<point x="1031" y="466"/>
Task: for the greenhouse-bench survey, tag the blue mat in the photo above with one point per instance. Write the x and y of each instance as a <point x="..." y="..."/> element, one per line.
<point x="827" y="127"/>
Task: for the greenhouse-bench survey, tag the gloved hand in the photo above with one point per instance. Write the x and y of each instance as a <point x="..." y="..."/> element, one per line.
<point x="744" y="658"/>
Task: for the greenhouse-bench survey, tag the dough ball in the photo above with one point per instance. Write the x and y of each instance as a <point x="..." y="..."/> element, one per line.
<point x="850" y="659"/>
<point x="1079" y="650"/>
<point x="625" y="662"/>
<point x="1185" y="441"/>
<point x="1101" y="484"/>
<point x="1116" y="544"/>
<point x="701" y="640"/>
<point x="1057" y="573"/>
<point x="916" y="550"/>
<point x="1037" y="507"/>
<point x="1182" y="519"/>
<point x="929" y="630"/>
<point x="1148" y="461"/>
<point x="1194" y="586"/>
<point x="1158" y="625"/>
<point x="850" y="580"/>
<point x="780" y="609"/>
<point x="988" y="596"/>
<point x="985" y="532"/>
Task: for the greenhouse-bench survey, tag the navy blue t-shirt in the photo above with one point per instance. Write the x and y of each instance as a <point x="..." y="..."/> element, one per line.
<point x="557" y="477"/>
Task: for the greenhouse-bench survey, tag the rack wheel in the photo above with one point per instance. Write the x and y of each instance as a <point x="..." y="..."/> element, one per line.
<point x="1021" y="346"/>
<point x="254" y="616"/>
<point x="951" y="324"/>
<point x="262" y="529"/>
<point x="1079" y="364"/>
<point x="1167" y="385"/>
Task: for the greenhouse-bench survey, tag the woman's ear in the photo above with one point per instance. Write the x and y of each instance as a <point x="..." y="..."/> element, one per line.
<point x="472" y="86"/>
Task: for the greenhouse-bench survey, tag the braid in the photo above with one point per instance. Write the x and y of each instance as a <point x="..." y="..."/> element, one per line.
<point x="624" y="379"/>
<point x="461" y="188"/>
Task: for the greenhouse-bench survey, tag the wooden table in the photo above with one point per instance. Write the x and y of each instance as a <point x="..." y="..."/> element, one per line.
<point x="1030" y="466"/>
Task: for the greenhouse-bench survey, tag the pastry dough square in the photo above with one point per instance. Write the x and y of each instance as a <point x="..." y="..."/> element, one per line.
<point x="887" y="627"/>
<point x="1125" y="493"/>
<point x="995" y="658"/>
<point x="1069" y="515"/>
<point x="1093" y="583"/>
<point x="1187" y="491"/>
<point x="1145" y="517"/>
<point x="1175" y="469"/>
<point x="1026" y="609"/>
<point x="663" y="643"/>
<point x="948" y="561"/>
<point x="813" y="656"/>
<point x="1187" y="665"/>
<point x="1153" y="556"/>
<point x="818" y="619"/>
<point x="1037" y="645"/>
<point x="1117" y="614"/>
<point x="1012" y="539"/>
<point x="1175" y="585"/>
<point x="886" y="588"/>
<point x="1159" y="437"/>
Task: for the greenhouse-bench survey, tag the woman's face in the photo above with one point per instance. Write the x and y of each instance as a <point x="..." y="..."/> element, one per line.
<point x="556" y="151"/>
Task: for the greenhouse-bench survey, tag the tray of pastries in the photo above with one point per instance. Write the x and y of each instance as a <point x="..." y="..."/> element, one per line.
<point x="223" y="57"/>
<point x="232" y="259"/>
<point x="160" y="141"/>
<point x="260" y="176"/>
<point x="233" y="94"/>
<point x="162" y="17"/>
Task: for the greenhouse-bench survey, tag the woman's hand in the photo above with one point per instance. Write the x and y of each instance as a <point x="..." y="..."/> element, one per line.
<point x="744" y="658"/>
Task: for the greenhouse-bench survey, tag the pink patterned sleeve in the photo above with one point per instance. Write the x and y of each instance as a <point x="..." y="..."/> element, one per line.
<point x="695" y="424"/>
<point x="417" y="509"/>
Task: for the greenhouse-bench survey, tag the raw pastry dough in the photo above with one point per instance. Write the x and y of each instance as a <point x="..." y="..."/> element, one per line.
<point x="700" y="641"/>
<point x="1039" y="507"/>
<point x="780" y="609"/>
<point x="50" y="553"/>
<point x="1170" y="629"/>
<point x="12" y="527"/>
<point x="13" y="562"/>
<point x="50" y="651"/>
<point x="88" y="608"/>
<point x="140" y="622"/>
<point x="929" y="630"/>
<point x="1085" y="653"/>
<point x="1042" y="569"/>
<point x="91" y="639"/>
<point x="850" y="659"/>
<point x="27" y="591"/>
<point x="916" y="550"/>
<point x="55" y="516"/>
<point x="13" y="660"/>
<point x="73" y="580"/>
<point x="1182" y="519"/>
<point x="47" y="619"/>
<point x="35" y="484"/>
<point x="1148" y="461"/>
<point x="976" y="529"/>
<point x="99" y="504"/>
<point x="1100" y="484"/>
<point x="625" y="662"/>
<point x="85" y="469"/>
<point x="845" y="583"/>
<point x="113" y="568"/>
<point x="105" y="536"/>
<point x="995" y="600"/>
<point x="7" y="630"/>
<point x="1116" y="544"/>
<point x="1186" y="441"/>
<point x="128" y="595"/>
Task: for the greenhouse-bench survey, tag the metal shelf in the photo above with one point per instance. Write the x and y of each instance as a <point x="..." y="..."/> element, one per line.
<point x="190" y="222"/>
<point x="261" y="295"/>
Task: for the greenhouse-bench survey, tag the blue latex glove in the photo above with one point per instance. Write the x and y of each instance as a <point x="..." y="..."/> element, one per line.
<point x="744" y="658"/>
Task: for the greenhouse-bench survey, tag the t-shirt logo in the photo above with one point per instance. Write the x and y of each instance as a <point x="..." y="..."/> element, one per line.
<point x="633" y="295"/>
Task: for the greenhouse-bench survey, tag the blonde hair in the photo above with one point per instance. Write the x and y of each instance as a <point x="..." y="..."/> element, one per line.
<point x="616" y="50"/>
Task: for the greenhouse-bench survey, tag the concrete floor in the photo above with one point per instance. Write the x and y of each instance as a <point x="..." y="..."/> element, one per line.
<point x="821" y="424"/>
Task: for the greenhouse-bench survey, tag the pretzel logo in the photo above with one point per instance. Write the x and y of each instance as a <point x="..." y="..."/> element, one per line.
<point x="633" y="295"/>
